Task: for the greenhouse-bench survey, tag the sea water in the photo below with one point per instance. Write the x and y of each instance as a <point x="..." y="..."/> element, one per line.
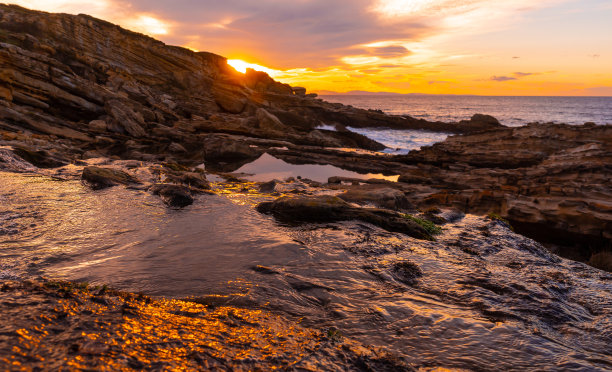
<point x="510" y="111"/>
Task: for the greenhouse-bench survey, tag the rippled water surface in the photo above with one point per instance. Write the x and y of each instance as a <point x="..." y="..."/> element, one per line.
<point x="488" y="299"/>
<point x="401" y="141"/>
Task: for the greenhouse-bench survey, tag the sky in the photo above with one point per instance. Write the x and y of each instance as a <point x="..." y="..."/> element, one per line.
<point x="484" y="47"/>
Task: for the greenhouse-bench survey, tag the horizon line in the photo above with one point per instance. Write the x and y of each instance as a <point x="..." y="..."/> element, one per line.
<point x="368" y="93"/>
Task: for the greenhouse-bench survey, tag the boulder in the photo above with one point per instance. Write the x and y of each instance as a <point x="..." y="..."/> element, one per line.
<point x="195" y="180"/>
<point x="267" y="187"/>
<point x="479" y="122"/>
<point x="299" y="91"/>
<point x="279" y="88"/>
<point x="99" y="178"/>
<point x="176" y="196"/>
<point x="123" y="116"/>
<point x="269" y="122"/>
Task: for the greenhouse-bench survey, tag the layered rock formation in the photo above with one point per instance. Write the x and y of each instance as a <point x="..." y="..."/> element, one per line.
<point x="552" y="181"/>
<point x="86" y="80"/>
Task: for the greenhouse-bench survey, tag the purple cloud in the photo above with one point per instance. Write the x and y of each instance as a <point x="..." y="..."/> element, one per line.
<point x="503" y="78"/>
<point x="310" y="33"/>
<point x="515" y="76"/>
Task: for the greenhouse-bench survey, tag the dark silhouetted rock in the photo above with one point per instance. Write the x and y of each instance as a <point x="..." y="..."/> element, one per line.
<point x="480" y="122"/>
<point x="177" y="196"/>
<point x="39" y="158"/>
<point x="406" y="272"/>
<point x="267" y="187"/>
<point x="299" y="91"/>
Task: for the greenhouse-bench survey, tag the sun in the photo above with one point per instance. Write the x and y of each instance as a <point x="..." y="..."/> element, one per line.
<point x="241" y="66"/>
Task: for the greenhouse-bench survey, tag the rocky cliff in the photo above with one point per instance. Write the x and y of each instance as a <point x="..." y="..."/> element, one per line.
<point x="84" y="79"/>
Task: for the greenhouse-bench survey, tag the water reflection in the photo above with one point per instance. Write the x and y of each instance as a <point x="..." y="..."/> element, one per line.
<point x="267" y="168"/>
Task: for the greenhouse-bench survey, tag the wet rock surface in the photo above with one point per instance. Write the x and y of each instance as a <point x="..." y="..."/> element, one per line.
<point x="77" y="326"/>
<point x="462" y="301"/>
<point x="439" y="288"/>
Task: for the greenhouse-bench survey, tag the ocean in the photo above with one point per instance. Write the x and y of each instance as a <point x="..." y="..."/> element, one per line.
<point x="510" y="111"/>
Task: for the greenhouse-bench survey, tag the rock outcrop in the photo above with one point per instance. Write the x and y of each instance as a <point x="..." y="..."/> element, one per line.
<point x="96" y="84"/>
<point x="551" y="181"/>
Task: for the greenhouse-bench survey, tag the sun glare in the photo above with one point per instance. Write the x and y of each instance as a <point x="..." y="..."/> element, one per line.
<point x="394" y="8"/>
<point x="149" y="25"/>
<point x="241" y="66"/>
<point x="70" y="6"/>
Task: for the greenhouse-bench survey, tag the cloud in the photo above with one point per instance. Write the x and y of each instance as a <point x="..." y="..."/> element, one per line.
<point x="522" y="74"/>
<point x="515" y="76"/>
<point x="300" y="33"/>
<point x="390" y="51"/>
<point x="503" y="78"/>
<point x="285" y="34"/>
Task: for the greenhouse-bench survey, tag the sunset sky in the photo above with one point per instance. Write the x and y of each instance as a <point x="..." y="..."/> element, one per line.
<point x="501" y="47"/>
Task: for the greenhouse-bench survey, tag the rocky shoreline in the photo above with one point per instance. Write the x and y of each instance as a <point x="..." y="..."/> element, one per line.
<point x="81" y="98"/>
